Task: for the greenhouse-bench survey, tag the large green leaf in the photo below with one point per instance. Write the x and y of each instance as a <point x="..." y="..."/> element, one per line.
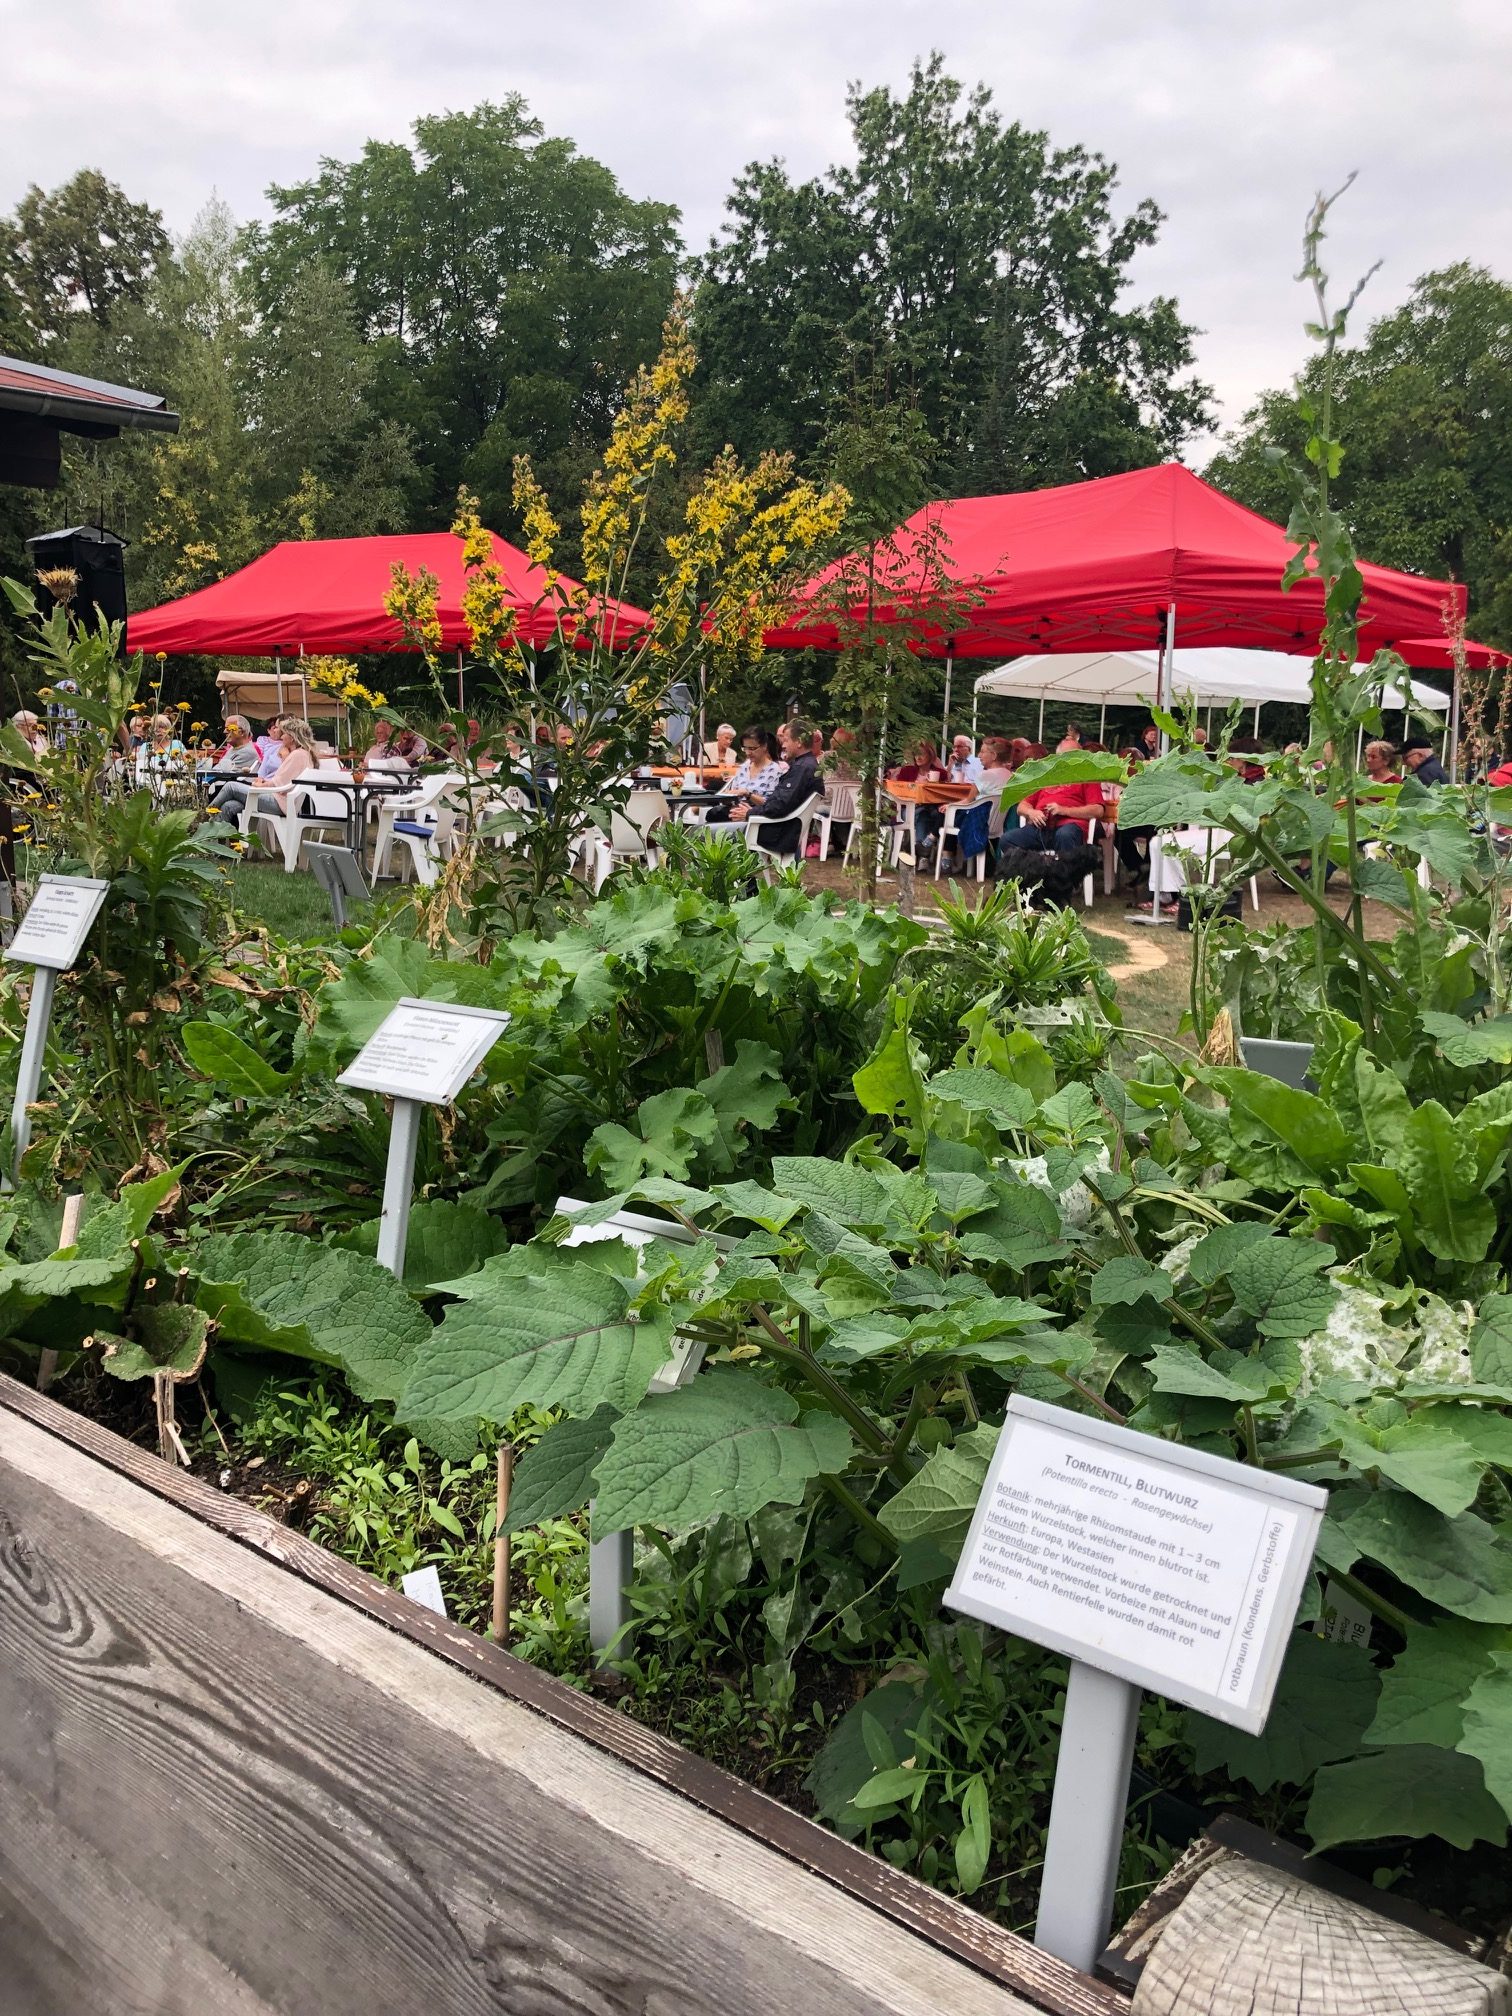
<point x="1277" y="1282"/>
<point x="1126" y="1279"/>
<point x="674" y="1127"/>
<point x="1324" y="1701"/>
<point x="746" y="1096"/>
<point x="222" y="1055"/>
<point x="277" y="1291"/>
<point x="1176" y="790"/>
<point x="111" y="1230"/>
<point x="167" y="1337"/>
<point x="555" y="1478"/>
<point x="446" y="1242"/>
<point x="1491" y="1342"/>
<point x="1409" y="1790"/>
<point x="1246" y="1381"/>
<point x="1462" y="1564"/>
<point x="1005" y="1102"/>
<point x="727" y="1443"/>
<point x="1437" y="1163"/>
<point x="1021" y="1229"/>
<point x="1301" y="1121"/>
<point x="1432" y="1463"/>
<point x="938" y="1502"/>
<point x="1075" y="766"/>
<point x="850" y="1195"/>
<point x="558" y="1336"/>
<point x="352" y="1007"/>
<point x="889" y="1082"/>
<point x="1488" y="1727"/>
<point x="1470" y="1043"/>
<point x="1423" y="1690"/>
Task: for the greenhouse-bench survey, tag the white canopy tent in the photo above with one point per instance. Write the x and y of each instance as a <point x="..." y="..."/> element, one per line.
<point x="1213" y="677"/>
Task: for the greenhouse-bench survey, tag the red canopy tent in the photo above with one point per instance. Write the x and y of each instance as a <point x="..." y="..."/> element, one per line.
<point x="1118" y="562"/>
<point x="321" y="596"/>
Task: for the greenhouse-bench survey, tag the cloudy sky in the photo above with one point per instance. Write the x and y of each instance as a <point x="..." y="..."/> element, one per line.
<point x="1228" y="113"/>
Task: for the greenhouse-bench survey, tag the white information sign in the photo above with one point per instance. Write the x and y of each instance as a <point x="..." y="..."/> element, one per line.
<point x="1178" y="1571"/>
<point x="423" y="1586"/>
<point x="57" y="921"/>
<point x="425" y="1050"/>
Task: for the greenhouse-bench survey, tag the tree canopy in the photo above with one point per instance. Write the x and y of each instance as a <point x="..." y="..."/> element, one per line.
<point x="1424" y="408"/>
<point x="983" y="269"/>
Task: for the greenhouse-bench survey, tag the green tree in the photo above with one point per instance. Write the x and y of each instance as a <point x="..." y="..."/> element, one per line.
<point x="324" y="465"/>
<point x="1425" y="405"/>
<point x="988" y="268"/>
<point x="506" y="284"/>
<point x="78" y="250"/>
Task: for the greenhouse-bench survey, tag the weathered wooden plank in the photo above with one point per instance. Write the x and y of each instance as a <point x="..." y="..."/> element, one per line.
<point x="69" y="1919"/>
<point x="342" y="1823"/>
<point x="952" y="1928"/>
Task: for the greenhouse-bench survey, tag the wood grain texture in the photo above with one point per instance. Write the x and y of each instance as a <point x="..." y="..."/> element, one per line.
<point x="1044" y="1982"/>
<point x="224" y="1789"/>
<point x="1254" y="1941"/>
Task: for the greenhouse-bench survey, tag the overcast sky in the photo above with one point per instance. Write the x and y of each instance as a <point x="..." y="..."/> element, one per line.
<point x="1228" y="113"/>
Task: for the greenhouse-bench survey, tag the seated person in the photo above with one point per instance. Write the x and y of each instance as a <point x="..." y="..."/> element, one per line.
<point x="239" y="753"/>
<point x="297" y="741"/>
<point x="840" y="763"/>
<point x="1056" y="819"/>
<point x="800" y="782"/>
<point x="758" y="776"/>
<point x="965" y="764"/>
<point x="722" y="749"/>
<point x="1417" y="754"/>
<point x="1380" y="767"/>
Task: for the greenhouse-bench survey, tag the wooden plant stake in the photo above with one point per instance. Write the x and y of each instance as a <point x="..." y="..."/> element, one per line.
<point x="68" y="1235"/>
<point x="501" y="1545"/>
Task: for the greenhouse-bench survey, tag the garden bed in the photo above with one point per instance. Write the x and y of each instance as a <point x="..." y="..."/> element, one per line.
<point x="239" y="1773"/>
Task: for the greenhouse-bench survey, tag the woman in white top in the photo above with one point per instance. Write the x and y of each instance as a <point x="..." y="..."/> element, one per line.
<point x="722" y="748"/>
<point x="757" y="776"/>
<point x="297" y="740"/>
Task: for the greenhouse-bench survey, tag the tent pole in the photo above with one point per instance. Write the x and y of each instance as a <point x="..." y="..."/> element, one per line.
<point x="945" y="711"/>
<point x="1164" y="686"/>
<point x="1039" y="734"/>
<point x="1102" y="723"/>
<point x="304" y="688"/>
<point x="975" y="703"/>
<point x="278" y="675"/>
<point x="1257" y="720"/>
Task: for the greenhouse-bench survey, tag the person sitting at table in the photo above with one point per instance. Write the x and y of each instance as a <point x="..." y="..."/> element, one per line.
<point x="799" y="782"/>
<point x="840" y="764"/>
<point x="31" y="731"/>
<point x="758" y="776"/>
<point x="1380" y="766"/>
<point x="965" y="764"/>
<point x="400" y="754"/>
<point x="722" y="749"/>
<point x="297" y="740"/>
<point x="1056" y="818"/>
<point x="163" y="752"/>
<point x="1417" y="754"/>
<point x="383" y="732"/>
<point x="238" y="756"/>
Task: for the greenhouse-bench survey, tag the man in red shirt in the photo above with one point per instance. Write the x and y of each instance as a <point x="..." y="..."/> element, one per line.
<point x="1058" y="817"/>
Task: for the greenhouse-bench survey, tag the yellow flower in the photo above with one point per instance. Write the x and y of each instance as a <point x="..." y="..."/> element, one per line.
<point x="161" y="657"/>
<point x="182" y="706"/>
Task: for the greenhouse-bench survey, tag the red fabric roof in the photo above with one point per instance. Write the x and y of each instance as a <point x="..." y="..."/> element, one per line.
<point x="326" y="595"/>
<point x="1096" y="565"/>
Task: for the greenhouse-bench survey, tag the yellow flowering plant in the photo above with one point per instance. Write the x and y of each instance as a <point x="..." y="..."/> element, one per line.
<point x="584" y="682"/>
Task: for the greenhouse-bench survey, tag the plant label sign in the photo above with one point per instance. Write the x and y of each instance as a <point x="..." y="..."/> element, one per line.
<point x="57" y="921"/>
<point x="425" y="1050"/>
<point x="1172" y="1569"/>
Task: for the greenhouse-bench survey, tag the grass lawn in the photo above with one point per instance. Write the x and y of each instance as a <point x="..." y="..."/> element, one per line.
<point x="293" y="906"/>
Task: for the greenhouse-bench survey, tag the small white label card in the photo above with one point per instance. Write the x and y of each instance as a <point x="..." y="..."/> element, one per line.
<point x="1173" y="1569"/>
<point x="423" y="1586"/>
<point x="425" y="1050"/>
<point x="57" y="921"/>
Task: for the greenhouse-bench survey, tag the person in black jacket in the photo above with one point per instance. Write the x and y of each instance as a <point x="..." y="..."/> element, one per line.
<point x="798" y="784"/>
<point x="1418" y="755"/>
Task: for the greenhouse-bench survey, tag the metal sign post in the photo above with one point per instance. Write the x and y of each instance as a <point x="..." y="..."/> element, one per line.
<point x="611" y="1556"/>
<point x="422" y="1054"/>
<point x="49" y="939"/>
<point x="1148" y="1566"/>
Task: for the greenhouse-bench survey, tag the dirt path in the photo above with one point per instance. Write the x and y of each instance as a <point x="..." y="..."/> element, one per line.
<point x="1143" y="947"/>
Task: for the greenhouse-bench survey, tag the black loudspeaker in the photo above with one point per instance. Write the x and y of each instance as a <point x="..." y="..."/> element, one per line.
<point x="97" y="558"/>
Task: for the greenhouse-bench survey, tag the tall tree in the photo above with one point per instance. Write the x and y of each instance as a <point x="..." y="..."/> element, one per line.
<point x="986" y="267"/>
<point x="79" y="250"/>
<point x="1424" y="409"/>
<point x="507" y="285"/>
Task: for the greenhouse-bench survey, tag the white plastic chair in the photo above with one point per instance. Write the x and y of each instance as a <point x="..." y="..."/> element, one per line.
<point x="839" y="810"/>
<point x="631" y="831"/>
<point x="1211" y="845"/>
<point x="951" y="829"/>
<point x="407" y="805"/>
<point x="286" y="830"/>
<point x="426" y="842"/>
<point x="805" y="814"/>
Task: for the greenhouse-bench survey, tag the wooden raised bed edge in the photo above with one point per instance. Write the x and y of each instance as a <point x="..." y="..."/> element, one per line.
<point x="951" y="1926"/>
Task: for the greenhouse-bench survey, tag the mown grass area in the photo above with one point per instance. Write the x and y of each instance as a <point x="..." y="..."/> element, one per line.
<point x="292" y="906"/>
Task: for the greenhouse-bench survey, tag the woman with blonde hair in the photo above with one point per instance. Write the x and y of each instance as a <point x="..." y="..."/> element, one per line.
<point x="297" y="741"/>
